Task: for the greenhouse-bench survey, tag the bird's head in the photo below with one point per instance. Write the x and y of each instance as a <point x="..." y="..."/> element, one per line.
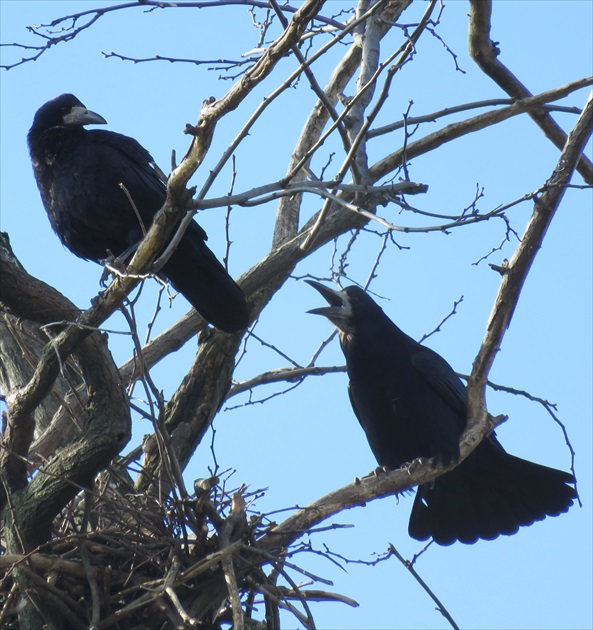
<point x="339" y="312"/>
<point x="64" y="110"/>
<point x="351" y="310"/>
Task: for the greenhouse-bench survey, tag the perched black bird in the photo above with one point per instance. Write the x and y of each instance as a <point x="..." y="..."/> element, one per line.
<point x="411" y="404"/>
<point x="80" y="175"/>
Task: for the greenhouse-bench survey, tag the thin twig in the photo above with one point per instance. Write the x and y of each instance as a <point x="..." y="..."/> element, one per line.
<point x="425" y="586"/>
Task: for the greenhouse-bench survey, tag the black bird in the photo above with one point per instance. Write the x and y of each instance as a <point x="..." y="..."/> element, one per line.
<point x="411" y="404"/>
<point x="80" y="174"/>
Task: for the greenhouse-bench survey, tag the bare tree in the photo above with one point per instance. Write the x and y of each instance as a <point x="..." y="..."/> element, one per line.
<point x="95" y="535"/>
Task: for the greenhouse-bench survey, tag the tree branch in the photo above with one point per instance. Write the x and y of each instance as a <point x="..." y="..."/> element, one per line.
<point x="369" y="488"/>
<point x="287" y="216"/>
<point x="456" y="130"/>
<point x="98" y="442"/>
<point x="485" y="53"/>
<point x="516" y="272"/>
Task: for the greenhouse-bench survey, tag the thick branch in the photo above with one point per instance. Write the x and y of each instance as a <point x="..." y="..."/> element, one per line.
<point x="485" y="53"/>
<point x="28" y="398"/>
<point x="375" y="486"/>
<point x="25" y="297"/>
<point x="233" y="98"/>
<point x="287" y="217"/>
<point x="33" y="505"/>
<point x="478" y="424"/>
<point x="516" y="273"/>
<point x="456" y="130"/>
<point x="22" y="340"/>
<point x="290" y="251"/>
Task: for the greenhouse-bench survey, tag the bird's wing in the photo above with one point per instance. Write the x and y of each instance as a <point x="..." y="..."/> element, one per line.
<point x="441" y="376"/>
<point x="136" y="171"/>
<point x="131" y="163"/>
<point x="131" y="148"/>
<point x="353" y="403"/>
<point x="443" y="379"/>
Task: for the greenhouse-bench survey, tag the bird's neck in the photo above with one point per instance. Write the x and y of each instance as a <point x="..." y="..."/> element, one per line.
<point x="375" y="337"/>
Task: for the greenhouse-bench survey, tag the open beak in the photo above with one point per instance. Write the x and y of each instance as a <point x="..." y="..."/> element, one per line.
<point x="83" y="116"/>
<point x="336" y="300"/>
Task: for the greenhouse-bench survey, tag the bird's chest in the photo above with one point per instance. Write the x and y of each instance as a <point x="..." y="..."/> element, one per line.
<point x="87" y="204"/>
<point x="402" y="416"/>
<point x="390" y="416"/>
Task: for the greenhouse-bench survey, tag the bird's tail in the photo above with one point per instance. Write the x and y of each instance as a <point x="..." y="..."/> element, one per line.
<point x="196" y="273"/>
<point x="488" y="494"/>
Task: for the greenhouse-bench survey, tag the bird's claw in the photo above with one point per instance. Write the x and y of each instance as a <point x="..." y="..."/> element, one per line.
<point x="380" y="470"/>
<point x="414" y="465"/>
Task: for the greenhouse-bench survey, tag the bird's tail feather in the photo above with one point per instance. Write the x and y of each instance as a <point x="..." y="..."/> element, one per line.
<point x="196" y="273"/>
<point x="489" y="494"/>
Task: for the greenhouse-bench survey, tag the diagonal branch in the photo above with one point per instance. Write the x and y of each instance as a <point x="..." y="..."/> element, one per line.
<point x="359" y="493"/>
<point x="485" y="53"/>
<point x="175" y="336"/>
<point x="287" y="216"/>
<point x="234" y="97"/>
<point x="481" y="121"/>
<point x="47" y="370"/>
<point x="98" y="441"/>
<point x="518" y="268"/>
<point x="479" y="423"/>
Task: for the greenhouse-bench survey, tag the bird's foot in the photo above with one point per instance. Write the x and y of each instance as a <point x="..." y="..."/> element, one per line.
<point x="380" y="470"/>
<point x="414" y="465"/>
<point x="112" y="265"/>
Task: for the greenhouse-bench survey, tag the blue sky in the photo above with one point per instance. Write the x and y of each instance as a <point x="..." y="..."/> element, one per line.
<point x="306" y="443"/>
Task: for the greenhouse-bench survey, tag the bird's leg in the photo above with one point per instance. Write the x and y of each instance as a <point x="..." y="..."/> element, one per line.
<point x="109" y="262"/>
<point x="380" y="470"/>
<point x="128" y="252"/>
<point x="116" y="263"/>
<point x="412" y="466"/>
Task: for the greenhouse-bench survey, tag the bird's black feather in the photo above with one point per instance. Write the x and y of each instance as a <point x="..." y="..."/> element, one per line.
<point x="411" y="404"/>
<point x="80" y="174"/>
